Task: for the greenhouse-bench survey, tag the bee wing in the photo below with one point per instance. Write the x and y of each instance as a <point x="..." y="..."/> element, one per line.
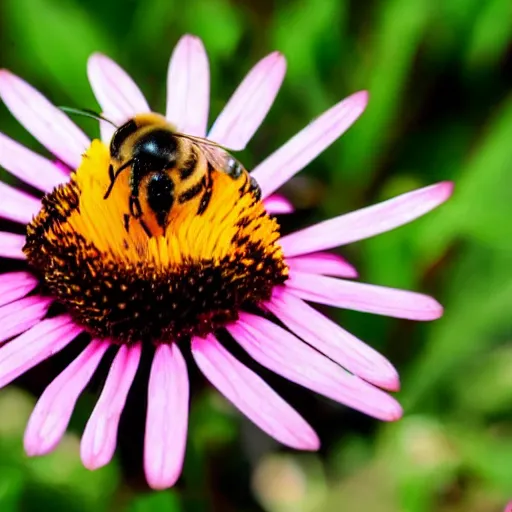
<point x="216" y="155"/>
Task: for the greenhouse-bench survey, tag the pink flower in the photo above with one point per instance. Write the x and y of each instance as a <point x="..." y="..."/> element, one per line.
<point x="313" y="351"/>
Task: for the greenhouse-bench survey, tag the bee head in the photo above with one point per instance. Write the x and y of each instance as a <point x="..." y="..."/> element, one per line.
<point x="128" y="137"/>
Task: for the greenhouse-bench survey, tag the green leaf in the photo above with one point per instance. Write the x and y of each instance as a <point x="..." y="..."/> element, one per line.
<point x="401" y="26"/>
<point x="62" y="472"/>
<point x="311" y="33"/>
<point x="218" y="23"/>
<point x="12" y="480"/>
<point x="486" y="455"/>
<point x="485" y="387"/>
<point x="152" y="26"/>
<point x="478" y="309"/>
<point x="420" y="457"/>
<point x="55" y="40"/>
<point x="481" y="202"/>
<point x="491" y="34"/>
<point x="163" y="501"/>
<point x="212" y="421"/>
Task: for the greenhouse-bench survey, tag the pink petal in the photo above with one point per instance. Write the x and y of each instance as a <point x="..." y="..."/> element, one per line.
<point x="322" y="263"/>
<point x="333" y="341"/>
<point x="29" y="166"/>
<point x="367" y="222"/>
<point x="279" y="167"/>
<point x="277" y="204"/>
<point x="250" y="103"/>
<point x="16" y="205"/>
<point x="49" y="125"/>
<point x="283" y="353"/>
<point x="369" y="298"/>
<point x="100" y="435"/>
<point x="167" y="417"/>
<point x="35" y="345"/>
<point x="11" y="245"/>
<point x="252" y="395"/>
<point x="188" y="87"/>
<point x="19" y="316"/>
<point x="15" y="285"/>
<point x="106" y="132"/>
<point x="118" y="95"/>
<point x="53" y="410"/>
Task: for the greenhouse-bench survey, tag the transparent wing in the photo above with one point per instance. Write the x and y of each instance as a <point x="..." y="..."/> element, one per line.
<point x="216" y="155"/>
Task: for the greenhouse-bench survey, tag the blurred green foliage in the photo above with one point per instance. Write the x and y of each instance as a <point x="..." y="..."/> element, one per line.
<point x="440" y="77"/>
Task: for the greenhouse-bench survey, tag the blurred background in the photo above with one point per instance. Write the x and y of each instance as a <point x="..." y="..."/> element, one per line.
<point x="440" y="77"/>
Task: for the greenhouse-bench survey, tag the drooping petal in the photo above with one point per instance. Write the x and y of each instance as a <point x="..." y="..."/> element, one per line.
<point x="100" y="434"/>
<point x="333" y="341"/>
<point x="116" y="92"/>
<point x="250" y="103"/>
<point x="16" y="205"/>
<point x="19" y="316"/>
<point x="29" y="166"/>
<point x="15" y="285"/>
<point x="35" y="345"/>
<point x="49" y="125"/>
<point x="277" y="204"/>
<point x="188" y="87"/>
<point x="283" y="353"/>
<point x="11" y="245"/>
<point x="53" y="410"/>
<point x="367" y="222"/>
<point x="369" y="298"/>
<point x="167" y="417"/>
<point x="106" y="132"/>
<point x="252" y="395"/>
<point x="279" y="167"/>
<point x="322" y="263"/>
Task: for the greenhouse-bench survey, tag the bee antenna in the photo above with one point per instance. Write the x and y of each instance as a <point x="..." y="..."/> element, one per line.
<point x="87" y="113"/>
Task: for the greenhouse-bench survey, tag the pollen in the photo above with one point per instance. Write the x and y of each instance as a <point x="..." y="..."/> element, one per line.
<point x="128" y="279"/>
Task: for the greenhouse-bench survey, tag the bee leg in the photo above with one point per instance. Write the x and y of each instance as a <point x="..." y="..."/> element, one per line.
<point x="145" y="228"/>
<point x="113" y="176"/>
<point x="126" y="219"/>
<point x="135" y="208"/>
<point x="136" y="213"/>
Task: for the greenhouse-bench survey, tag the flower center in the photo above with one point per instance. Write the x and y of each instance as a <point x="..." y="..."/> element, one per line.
<point x="129" y="279"/>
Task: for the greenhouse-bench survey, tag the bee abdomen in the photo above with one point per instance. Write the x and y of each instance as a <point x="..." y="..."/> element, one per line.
<point x="192" y="192"/>
<point x="190" y="165"/>
<point x="205" y="200"/>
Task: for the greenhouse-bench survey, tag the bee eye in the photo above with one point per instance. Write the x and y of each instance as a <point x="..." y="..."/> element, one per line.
<point x="234" y="167"/>
<point x="120" y="136"/>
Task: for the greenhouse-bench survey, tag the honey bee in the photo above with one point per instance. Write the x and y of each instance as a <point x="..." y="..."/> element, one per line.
<point x="166" y="166"/>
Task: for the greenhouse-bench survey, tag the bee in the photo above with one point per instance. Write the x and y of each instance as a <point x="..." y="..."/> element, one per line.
<point x="166" y="166"/>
